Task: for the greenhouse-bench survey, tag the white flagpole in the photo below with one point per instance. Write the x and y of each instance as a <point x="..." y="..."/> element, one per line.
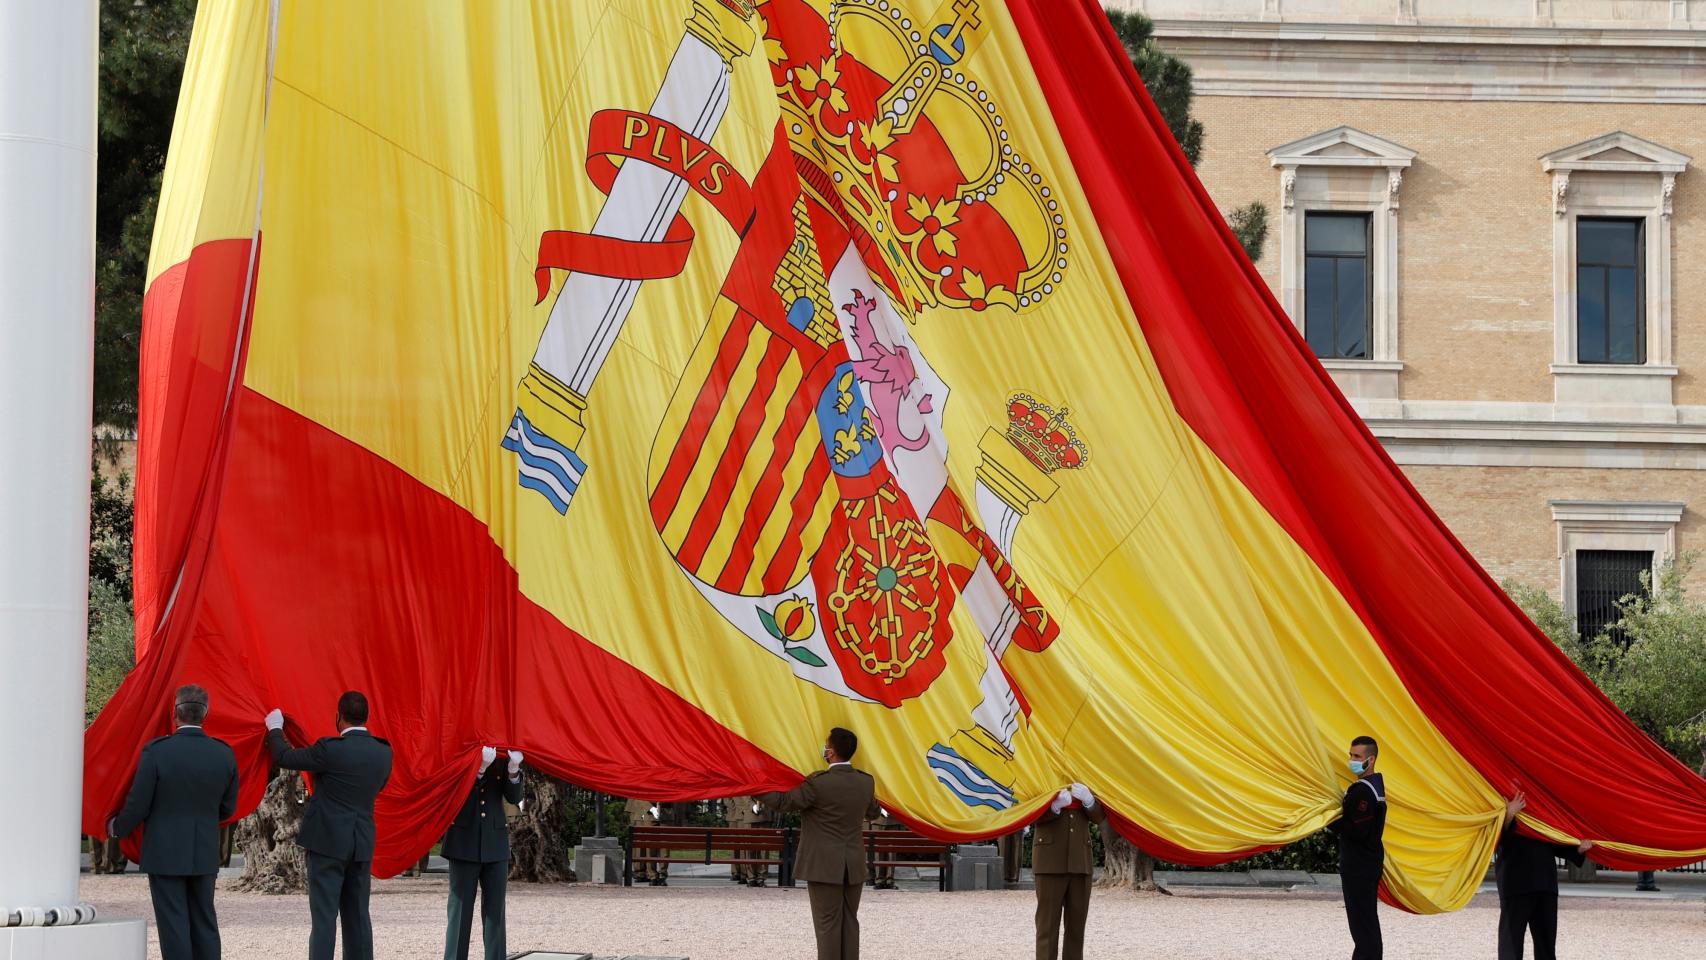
<point x="48" y="58"/>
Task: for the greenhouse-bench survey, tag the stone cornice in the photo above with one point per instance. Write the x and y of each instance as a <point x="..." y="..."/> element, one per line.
<point x="1416" y="62"/>
<point x="1430" y="33"/>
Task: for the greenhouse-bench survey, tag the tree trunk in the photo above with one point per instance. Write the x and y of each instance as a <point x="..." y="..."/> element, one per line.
<point x="541" y="837"/>
<point x="106" y="857"/>
<point x="1126" y="867"/>
<point x="272" y="862"/>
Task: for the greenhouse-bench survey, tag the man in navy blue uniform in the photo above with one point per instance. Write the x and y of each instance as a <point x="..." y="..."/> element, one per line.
<point x="1526" y="871"/>
<point x="1362" y="855"/>
<point x="337" y="830"/>
<point x="477" y="848"/>
<point x="185" y="786"/>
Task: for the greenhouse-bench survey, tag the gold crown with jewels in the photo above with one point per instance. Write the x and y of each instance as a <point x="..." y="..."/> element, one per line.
<point x="938" y="248"/>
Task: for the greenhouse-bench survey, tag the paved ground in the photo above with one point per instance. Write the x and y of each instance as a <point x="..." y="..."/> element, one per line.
<point x="708" y="920"/>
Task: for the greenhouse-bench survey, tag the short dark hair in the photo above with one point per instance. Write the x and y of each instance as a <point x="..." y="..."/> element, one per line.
<point x="843" y="742"/>
<point x="190" y="705"/>
<point x="352" y="707"/>
<point x="1373" y="748"/>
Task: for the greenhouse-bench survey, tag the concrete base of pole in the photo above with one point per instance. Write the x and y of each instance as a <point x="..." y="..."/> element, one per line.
<point x="101" y="940"/>
<point x="594" y="852"/>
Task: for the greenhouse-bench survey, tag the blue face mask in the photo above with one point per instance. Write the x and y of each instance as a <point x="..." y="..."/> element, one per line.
<point x="1358" y="766"/>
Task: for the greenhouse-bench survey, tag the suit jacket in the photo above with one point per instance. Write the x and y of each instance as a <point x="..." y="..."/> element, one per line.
<point x="833" y="805"/>
<point x="480" y="834"/>
<point x="1060" y="842"/>
<point x="1527" y="865"/>
<point x="1361" y="827"/>
<point x="185" y="786"/>
<point x="349" y="771"/>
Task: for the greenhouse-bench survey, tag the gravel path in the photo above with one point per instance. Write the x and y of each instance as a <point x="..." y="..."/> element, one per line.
<point x="721" y="922"/>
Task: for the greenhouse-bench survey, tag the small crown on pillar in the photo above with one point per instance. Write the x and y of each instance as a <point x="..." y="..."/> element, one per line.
<point x="1043" y="435"/>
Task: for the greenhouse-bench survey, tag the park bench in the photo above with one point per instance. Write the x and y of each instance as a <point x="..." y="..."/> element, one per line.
<point x="903" y="848"/>
<point x="740" y="843"/>
<point x="701" y="845"/>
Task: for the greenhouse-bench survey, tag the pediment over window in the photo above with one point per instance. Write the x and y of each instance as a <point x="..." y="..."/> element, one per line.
<point x="1616" y="152"/>
<point x="1342" y="147"/>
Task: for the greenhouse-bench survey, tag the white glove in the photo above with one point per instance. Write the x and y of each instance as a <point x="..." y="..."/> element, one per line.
<point x="275" y="720"/>
<point x="1082" y="794"/>
<point x="757" y="808"/>
<point x="514" y="764"/>
<point x="1061" y="801"/>
<point x="487" y="755"/>
<point x="112" y="827"/>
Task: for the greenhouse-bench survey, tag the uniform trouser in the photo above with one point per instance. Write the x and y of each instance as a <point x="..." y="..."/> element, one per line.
<point x="337" y="889"/>
<point x="1062" y="895"/>
<point x="490" y="878"/>
<point x="835" y="915"/>
<point x="183" y="916"/>
<point x="1362" y="902"/>
<point x="1536" y="913"/>
<point x="1012" y="848"/>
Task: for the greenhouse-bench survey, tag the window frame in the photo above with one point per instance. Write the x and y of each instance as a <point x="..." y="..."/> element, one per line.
<point x="1640" y="266"/>
<point x="1366" y="219"/>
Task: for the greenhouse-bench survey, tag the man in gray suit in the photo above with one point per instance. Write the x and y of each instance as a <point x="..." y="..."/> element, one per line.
<point x="477" y="848"/>
<point x="185" y="786"/>
<point x="337" y="830"/>
<point x="833" y="805"/>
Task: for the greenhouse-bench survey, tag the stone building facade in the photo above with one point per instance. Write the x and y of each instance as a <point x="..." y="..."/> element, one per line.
<point x="1486" y="218"/>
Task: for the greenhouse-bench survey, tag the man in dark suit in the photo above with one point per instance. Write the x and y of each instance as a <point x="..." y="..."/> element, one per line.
<point x="477" y="847"/>
<point x="1526" y="872"/>
<point x="833" y="805"/>
<point x="185" y="786"/>
<point x="1361" y="829"/>
<point x="1062" y="860"/>
<point x="337" y="831"/>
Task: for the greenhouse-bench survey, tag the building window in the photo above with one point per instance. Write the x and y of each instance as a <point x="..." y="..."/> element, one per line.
<point x="1337" y="241"/>
<point x="1611" y="313"/>
<point x="1603" y="578"/>
<point x="1336" y="284"/>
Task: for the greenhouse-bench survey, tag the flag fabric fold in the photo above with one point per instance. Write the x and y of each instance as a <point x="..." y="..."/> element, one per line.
<point x="650" y="385"/>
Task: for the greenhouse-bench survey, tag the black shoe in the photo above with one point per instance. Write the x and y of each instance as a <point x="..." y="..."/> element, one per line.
<point x="756" y="883"/>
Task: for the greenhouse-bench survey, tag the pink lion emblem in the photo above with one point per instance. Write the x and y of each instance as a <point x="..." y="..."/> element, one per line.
<point x="889" y="377"/>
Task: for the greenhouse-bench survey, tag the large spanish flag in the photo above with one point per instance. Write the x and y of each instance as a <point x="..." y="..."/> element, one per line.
<point x="649" y="385"/>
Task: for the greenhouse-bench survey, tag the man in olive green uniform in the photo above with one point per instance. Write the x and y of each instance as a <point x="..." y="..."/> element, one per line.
<point x="1012" y="848"/>
<point x="640" y="815"/>
<point x="833" y="805"/>
<point x="885" y="873"/>
<point x="477" y="848"/>
<point x="185" y="785"/>
<point x="738" y="812"/>
<point x="337" y="830"/>
<point x="1062" y="861"/>
<point x="762" y="817"/>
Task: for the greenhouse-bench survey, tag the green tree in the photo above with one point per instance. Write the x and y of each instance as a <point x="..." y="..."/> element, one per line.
<point x="112" y="641"/>
<point x="143" y="43"/>
<point x="1168" y="79"/>
<point x="1651" y="663"/>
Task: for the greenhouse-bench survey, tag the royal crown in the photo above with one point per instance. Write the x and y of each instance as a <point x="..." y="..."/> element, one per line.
<point x="926" y="165"/>
<point x="1043" y="434"/>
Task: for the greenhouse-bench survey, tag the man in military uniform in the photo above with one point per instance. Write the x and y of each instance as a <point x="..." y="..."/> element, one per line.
<point x="337" y="830"/>
<point x="640" y="814"/>
<point x="477" y="849"/>
<point x="762" y="818"/>
<point x="1012" y="847"/>
<point x="833" y="805"/>
<point x="884" y="879"/>
<point x="1062" y="860"/>
<point x="1526" y="871"/>
<point x="737" y="811"/>
<point x="185" y="785"/>
<point x="1362" y="854"/>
